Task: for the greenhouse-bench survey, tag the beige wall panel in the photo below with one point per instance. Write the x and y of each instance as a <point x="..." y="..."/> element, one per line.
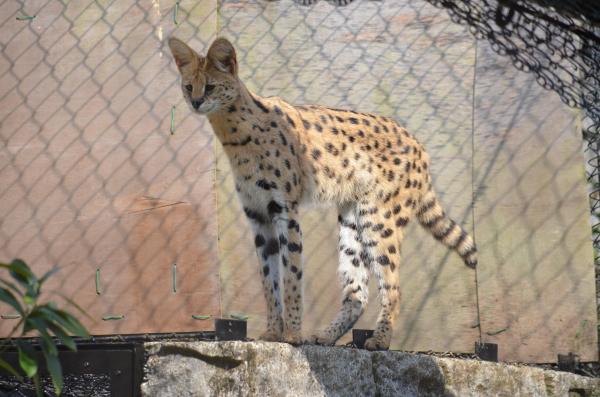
<point x="536" y="274"/>
<point x="91" y="177"/>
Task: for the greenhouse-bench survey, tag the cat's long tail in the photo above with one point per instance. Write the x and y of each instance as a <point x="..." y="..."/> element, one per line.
<point x="433" y="218"/>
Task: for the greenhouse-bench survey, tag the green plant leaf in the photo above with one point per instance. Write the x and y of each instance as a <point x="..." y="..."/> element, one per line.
<point x="22" y="273"/>
<point x="55" y="370"/>
<point x="69" y="323"/>
<point x="56" y="317"/>
<point x="49" y="313"/>
<point x="75" y="327"/>
<point x="7" y="367"/>
<point x="48" y="274"/>
<point x="27" y="359"/>
<point x="38" y="385"/>
<point x="11" y="286"/>
<point x="7" y="297"/>
<point x="62" y="335"/>
<point x="40" y="325"/>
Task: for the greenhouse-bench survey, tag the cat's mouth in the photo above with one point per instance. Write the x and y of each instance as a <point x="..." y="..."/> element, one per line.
<point x="205" y="108"/>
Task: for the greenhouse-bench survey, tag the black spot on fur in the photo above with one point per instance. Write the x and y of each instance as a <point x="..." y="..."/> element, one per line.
<point x="259" y="240"/>
<point x="264" y="184"/>
<point x="282" y="240"/>
<point x="383" y="260"/>
<point x="295" y="247"/>
<point x="271" y="248"/>
<point x="274" y="208"/>
<point x="365" y="257"/>
<point x="292" y="224"/>
<point x="316" y="154"/>
<point x="378" y="227"/>
<point x="387" y="233"/>
<point x="255" y="216"/>
<point x="401" y="222"/>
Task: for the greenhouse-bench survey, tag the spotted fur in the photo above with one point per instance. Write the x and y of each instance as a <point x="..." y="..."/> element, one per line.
<point x="284" y="156"/>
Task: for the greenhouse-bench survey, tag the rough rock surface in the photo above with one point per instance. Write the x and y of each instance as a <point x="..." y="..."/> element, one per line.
<point x="276" y="369"/>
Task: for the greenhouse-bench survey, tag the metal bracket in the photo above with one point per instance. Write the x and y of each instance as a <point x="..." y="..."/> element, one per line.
<point x="360" y="336"/>
<point x="228" y="329"/>
<point x="487" y="351"/>
<point x="568" y="362"/>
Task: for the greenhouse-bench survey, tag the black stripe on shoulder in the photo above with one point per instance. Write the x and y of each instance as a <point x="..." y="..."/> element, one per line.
<point x="260" y="105"/>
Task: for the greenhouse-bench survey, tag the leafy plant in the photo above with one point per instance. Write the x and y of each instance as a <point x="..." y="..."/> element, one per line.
<point x="47" y="320"/>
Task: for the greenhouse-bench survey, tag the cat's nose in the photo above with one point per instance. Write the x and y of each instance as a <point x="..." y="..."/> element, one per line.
<point x="197" y="102"/>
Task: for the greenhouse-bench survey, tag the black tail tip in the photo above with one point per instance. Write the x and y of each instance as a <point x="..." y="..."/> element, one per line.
<point x="471" y="264"/>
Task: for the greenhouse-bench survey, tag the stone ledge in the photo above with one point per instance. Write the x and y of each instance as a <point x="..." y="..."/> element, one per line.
<point x="277" y="369"/>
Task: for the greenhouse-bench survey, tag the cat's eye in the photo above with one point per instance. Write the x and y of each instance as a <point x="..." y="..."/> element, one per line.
<point x="189" y="87"/>
<point x="209" y="88"/>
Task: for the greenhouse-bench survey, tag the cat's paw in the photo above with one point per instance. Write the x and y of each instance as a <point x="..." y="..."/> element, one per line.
<point x="292" y="337"/>
<point x="321" y="338"/>
<point x="375" y="343"/>
<point x="271" y="336"/>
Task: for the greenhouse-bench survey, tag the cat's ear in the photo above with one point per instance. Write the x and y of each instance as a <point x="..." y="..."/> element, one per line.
<point x="183" y="54"/>
<point x="221" y="55"/>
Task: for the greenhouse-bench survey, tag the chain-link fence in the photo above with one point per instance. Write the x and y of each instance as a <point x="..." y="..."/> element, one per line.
<point x="558" y="42"/>
<point x="106" y="172"/>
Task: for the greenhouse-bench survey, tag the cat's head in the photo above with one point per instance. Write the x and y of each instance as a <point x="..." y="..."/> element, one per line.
<point x="209" y="82"/>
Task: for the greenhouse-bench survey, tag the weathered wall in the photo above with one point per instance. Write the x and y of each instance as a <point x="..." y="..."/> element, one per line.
<point x="91" y="178"/>
<point x="273" y="369"/>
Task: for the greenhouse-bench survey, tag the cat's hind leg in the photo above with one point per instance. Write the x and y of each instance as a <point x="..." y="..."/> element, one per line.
<point x="354" y="276"/>
<point x="382" y="235"/>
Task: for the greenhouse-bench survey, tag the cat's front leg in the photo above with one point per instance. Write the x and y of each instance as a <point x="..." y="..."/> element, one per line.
<point x="266" y="241"/>
<point x="290" y="239"/>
